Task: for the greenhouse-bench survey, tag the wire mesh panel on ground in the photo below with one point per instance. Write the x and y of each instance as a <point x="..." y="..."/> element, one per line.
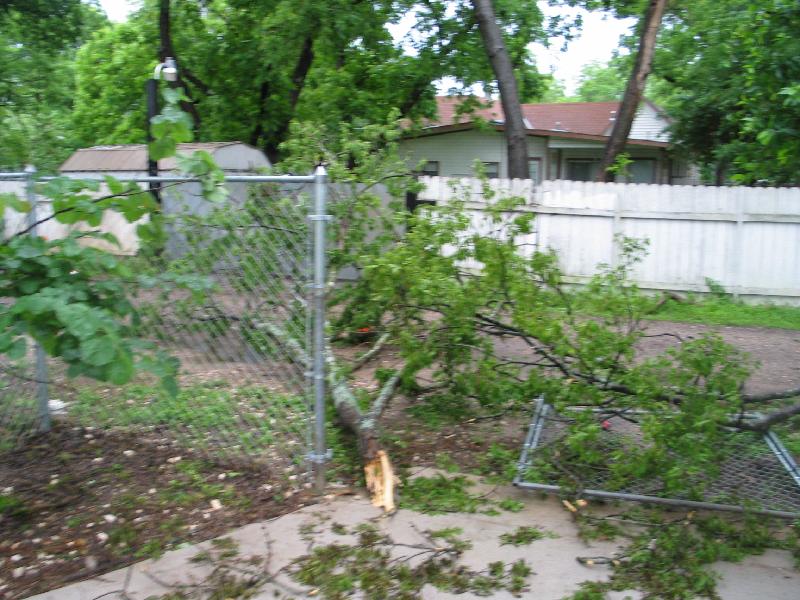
<point x="224" y="289"/>
<point x="753" y="471"/>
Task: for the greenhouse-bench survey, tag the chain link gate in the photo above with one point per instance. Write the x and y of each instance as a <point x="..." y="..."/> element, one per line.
<point x="757" y="473"/>
<point x="245" y="317"/>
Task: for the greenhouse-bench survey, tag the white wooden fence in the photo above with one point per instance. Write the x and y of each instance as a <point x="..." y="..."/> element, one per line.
<point x="747" y="239"/>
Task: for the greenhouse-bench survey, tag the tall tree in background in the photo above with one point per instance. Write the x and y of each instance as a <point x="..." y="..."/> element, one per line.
<point x="732" y="70"/>
<point x="38" y="42"/>
<point x="650" y="24"/>
<point x="516" y="139"/>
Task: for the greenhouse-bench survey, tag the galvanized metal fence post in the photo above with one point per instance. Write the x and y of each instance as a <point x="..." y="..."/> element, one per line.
<point x="42" y="394"/>
<point x="319" y="218"/>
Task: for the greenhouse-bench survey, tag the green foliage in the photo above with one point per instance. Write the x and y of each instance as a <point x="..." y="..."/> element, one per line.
<point x="525" y="535"/>
<point x="446" y="319"/>
<point x="742" y="122"/>
<point x="74" y="299"/>
<point x="671" y="560"/>
<point x="38" y="41"/>
<point x="440" y="495"/>
<point x="602" y="82"/>
<point x="370" y="569"/>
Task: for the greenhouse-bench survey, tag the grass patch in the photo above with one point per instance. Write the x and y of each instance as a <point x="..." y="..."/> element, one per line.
<point x="252" y="417"/>
<point x="726" y="311"/>
<point x="13" y="507"/>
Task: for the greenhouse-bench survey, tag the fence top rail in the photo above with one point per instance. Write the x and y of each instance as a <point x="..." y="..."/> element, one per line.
<point x="176" y="178"/>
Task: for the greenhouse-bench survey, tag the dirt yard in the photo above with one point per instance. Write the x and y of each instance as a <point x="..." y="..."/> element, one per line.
<point x="82" y="501"/>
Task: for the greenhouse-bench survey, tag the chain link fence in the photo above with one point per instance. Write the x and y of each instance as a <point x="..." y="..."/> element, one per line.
<point x="754" y="472"/>
<point x="230" y="290"/>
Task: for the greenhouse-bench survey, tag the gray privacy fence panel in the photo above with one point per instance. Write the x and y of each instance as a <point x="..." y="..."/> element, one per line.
<point x="236" y="311"/>
<point x="747" y="239"/>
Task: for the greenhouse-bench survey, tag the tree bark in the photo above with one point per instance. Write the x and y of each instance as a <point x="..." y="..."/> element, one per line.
<point x="516" y="139"/>
<point x="299" y="75"/>
<point x="635" y="88"/>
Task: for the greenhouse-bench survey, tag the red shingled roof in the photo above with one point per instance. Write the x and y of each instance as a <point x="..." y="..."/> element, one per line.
<point x="591" y="118"/>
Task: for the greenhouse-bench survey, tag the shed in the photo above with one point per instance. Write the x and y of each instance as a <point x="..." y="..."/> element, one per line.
<point x="129" y="161"/>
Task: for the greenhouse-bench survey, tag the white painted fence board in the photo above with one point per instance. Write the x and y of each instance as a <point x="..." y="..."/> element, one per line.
<point x="747" y="239"/>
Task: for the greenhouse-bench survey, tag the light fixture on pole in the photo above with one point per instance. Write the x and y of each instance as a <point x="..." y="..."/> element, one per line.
<point x="169" y="70"/>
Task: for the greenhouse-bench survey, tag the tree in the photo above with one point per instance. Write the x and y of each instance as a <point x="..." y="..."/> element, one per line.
<point x="516" y="139"/>
<point x="251" y="67"/>
<point x="649" y="26"/>
<point x="37" y="49"/>
<point x="742" y="122"/>
<point x="600" y="82"/>
<point x="495" y="340"/>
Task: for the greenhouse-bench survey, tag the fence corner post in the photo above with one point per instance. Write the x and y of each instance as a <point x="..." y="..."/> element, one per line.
<point x="319" y="218"/>
<point x="42" y="392"/>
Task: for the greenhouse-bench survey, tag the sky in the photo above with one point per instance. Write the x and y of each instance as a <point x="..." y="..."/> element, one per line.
<point x="598" y="40"/>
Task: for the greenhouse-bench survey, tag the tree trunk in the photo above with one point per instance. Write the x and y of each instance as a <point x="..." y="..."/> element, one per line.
<point x="516" y="139"/>
<point x="299" y="75"/>
<point x="166" y="49"/>
<point x="634" y="89"/>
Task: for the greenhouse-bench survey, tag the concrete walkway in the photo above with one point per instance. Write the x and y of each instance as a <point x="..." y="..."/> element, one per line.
<point x="556" y="572"/>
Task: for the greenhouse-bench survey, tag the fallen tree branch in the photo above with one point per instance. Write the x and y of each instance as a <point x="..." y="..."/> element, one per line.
<point x="369" y="354"/>
<point x="378" y="469"/>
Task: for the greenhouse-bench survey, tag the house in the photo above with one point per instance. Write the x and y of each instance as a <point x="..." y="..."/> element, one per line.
<point x="565" y="141"/>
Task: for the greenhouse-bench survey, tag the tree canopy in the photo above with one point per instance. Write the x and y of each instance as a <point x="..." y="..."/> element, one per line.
<point x="250" y="67"/>
<point x="732" y="69"/>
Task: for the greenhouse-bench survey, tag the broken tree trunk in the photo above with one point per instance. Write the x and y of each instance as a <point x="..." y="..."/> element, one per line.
<point x="378" y="471"/>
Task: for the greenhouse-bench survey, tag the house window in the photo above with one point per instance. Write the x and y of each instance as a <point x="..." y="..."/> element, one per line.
<point x="492" y="170"/>
<point x="430" y="169"/>
<point x="535" y="170"/>
<point x="582" y="169"/>
<point x="642" y="170"/>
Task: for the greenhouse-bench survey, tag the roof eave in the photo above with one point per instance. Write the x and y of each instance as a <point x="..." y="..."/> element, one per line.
<point x="455" y="127"/>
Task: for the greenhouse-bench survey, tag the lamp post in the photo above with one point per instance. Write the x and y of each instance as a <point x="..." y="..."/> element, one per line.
<point x="169" y="70"/>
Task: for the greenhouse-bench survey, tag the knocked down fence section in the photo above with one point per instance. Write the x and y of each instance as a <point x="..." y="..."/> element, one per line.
<point x="746" y="239"/>
<point x="211" y="289"/>
<point x="755" y="472"/>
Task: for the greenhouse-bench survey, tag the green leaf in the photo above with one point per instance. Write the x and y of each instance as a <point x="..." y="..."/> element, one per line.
<point x="162" y="148"/>
<point x="98" y="351"/>
<point x="121" y="370"/>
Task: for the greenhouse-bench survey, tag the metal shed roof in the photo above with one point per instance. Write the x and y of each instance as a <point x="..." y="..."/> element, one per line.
<point x="133" y="157"/>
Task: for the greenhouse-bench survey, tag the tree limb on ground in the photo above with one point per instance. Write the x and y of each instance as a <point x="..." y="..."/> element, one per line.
<point x="378" y="469"/>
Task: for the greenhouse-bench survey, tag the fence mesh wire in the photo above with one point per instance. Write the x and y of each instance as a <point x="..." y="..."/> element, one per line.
<point x="753" y="471"/>
<point x="225" y="292"/>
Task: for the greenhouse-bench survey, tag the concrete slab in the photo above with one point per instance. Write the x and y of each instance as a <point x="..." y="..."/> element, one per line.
<point x="556" y="572"/>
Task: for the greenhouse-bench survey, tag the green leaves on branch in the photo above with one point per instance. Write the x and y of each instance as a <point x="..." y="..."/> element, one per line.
<point x="72" y="300"/>
<point x="171" y="127"/>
